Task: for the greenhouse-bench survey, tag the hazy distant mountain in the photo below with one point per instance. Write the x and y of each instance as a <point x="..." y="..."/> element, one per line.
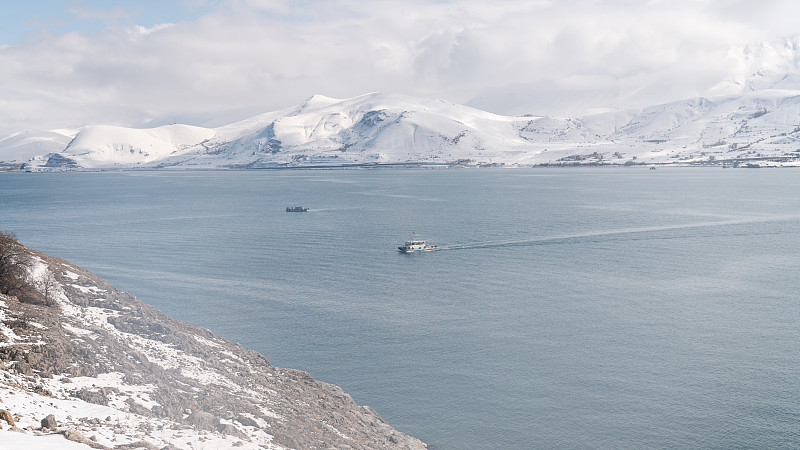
<point x="20" y="147"/>
<point x="759" y="124"/>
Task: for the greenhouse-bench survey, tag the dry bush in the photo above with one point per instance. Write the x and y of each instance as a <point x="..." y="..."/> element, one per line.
<point x="15" y="264"/>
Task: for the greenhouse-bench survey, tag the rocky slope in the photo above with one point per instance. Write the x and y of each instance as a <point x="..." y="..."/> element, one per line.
<point x="101" y="368"/>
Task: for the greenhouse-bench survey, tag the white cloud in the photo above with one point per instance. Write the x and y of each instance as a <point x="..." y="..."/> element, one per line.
<point x="251" y="56"/>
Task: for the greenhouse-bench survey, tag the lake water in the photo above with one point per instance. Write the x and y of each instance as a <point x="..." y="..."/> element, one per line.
<point x="568" y="308"/>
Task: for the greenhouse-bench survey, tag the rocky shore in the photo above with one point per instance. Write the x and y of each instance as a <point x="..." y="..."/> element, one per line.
<point x="86" y="363"/>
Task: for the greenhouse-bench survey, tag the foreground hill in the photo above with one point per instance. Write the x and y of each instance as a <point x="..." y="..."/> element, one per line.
<point x="756" y="127"/>
<point x="81" y="360"/>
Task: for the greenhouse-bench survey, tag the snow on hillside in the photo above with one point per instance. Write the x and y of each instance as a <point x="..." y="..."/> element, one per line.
<point x="104" y="146"/>
<point x="749" y="127"/>
<point x="757" y="127"/>
<point x="373" y="128"/>
<point x="22" y="146"/>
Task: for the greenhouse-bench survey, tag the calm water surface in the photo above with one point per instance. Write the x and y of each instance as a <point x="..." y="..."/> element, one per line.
<point x="598" y="308"/>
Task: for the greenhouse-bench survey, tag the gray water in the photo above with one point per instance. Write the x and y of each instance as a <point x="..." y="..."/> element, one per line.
<point x="569" y="308"/>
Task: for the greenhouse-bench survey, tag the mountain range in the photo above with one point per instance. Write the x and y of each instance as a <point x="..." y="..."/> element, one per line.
<point x="759" y="125"/>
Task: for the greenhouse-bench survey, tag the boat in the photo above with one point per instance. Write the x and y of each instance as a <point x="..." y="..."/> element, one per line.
<point x="415" y="245"/>
<point x="296" y="209"/>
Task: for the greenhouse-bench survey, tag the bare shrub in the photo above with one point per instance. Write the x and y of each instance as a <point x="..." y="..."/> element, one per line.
<point x="15" y="263"/>
<point x="48" y="286"/>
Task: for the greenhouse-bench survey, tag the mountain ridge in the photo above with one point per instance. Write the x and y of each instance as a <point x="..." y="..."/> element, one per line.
<point x="395" y="129"/>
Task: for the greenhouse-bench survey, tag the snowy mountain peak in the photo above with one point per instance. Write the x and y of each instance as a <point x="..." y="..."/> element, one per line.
<point x="27" y="144"/>
<point x="760" y="66"/>
<point x="103" y="145"/>
<point x="318" y="100"/>
<point x="760" y="114"/>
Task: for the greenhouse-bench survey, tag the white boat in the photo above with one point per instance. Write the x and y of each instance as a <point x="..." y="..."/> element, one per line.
<point x="415" y="245"/>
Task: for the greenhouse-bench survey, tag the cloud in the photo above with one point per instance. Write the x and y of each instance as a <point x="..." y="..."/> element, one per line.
<point x="250" y="56"/>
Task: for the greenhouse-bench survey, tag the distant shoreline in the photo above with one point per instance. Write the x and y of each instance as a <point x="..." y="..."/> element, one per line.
<point x="763" y="163"/>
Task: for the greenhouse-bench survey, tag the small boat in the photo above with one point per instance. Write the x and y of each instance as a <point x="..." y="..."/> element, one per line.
<point x="296" y="209"/>
<point x="415" y="245"/>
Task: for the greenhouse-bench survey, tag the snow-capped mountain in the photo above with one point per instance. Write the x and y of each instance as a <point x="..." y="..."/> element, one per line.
<point x="28" y="144"/>
<point x="100" y="145"/>
<point x="753" y="126"/>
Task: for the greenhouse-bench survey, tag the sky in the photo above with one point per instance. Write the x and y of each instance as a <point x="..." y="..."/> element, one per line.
<point x="67" y="63"/>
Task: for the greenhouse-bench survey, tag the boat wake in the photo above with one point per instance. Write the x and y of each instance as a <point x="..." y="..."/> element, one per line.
<point x="617" y="232"/>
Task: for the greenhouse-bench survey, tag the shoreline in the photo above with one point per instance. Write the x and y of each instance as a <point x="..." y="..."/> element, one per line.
<point x="118" y="372"/>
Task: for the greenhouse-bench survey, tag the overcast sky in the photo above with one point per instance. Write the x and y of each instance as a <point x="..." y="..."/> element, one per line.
<point x="65" y="63"/>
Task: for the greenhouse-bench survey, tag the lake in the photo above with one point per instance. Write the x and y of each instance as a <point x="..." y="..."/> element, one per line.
<point x="584" y="307"/>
